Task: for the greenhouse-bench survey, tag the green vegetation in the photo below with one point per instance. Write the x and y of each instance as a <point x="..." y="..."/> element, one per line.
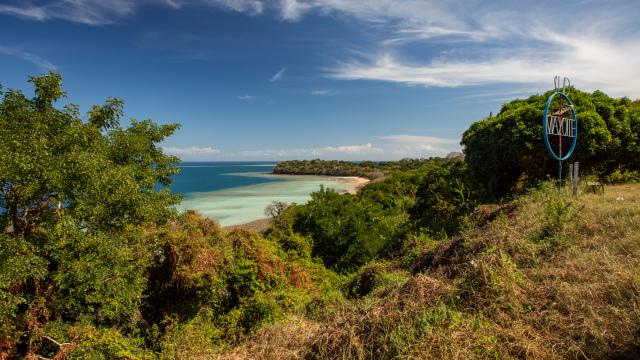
<point x="74" y="195"/>
<point x="528" y="284"/>
<point x="424" y="262"/>
<point x="367" y="169"/>
<point x="505" y="152"/>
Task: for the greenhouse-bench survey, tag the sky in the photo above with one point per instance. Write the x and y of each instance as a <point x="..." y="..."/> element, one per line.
<point x="329" y="79"/>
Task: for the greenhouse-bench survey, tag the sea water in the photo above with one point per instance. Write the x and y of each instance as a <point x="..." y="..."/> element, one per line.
<point x="238" y="192"/>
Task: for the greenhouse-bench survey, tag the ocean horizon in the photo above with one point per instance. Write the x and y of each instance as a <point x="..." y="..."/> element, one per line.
<point x="236" y="192"/>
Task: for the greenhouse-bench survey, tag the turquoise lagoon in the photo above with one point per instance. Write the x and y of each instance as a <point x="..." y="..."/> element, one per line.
<point x="236" y="193"/>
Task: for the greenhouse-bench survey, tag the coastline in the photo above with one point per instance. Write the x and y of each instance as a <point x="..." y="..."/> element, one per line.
<point x="353" y="185"/>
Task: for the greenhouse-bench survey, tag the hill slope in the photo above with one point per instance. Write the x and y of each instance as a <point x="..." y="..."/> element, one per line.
<point x="549" y="277"/>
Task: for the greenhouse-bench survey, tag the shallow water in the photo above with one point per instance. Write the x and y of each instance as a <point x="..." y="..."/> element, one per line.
<point x="239" y="197"/>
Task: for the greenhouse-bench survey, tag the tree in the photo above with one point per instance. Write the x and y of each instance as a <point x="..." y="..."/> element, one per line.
<point x="72" y="194"/>
<point x="346" y="231"/>
<point x="276" y="208"/>
<point x="446" y="196"/>
<point x="507" y="152"/>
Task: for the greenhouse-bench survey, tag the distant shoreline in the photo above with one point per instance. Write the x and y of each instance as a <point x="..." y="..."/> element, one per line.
<point x="353" y="184"/>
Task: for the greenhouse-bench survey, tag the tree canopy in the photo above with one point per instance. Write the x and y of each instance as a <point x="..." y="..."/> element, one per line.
<point x="71" y="192"/>
<point x="507" y="151"/>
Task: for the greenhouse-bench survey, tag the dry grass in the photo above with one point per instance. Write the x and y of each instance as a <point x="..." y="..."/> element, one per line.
<point x="552" y="278"/>
<point x="288" y="340"/>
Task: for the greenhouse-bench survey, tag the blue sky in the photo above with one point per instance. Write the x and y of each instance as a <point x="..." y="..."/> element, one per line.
<point x="331" y="79"/>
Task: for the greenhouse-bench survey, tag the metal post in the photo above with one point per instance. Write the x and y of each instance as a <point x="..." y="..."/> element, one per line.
<point x="575" y="178"/>
<point x="571" y="174"/>
<point x="559" y="174"/>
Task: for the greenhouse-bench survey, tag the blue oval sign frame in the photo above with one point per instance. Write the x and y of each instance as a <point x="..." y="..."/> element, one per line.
<point x="545" y="130"/>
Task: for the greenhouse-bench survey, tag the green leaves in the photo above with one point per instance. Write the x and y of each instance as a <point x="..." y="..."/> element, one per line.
<point x="20" y="267"/>
<point x="108" y="115"/>
<point x="74" y="197"/>
<point x="101" y="174"/>
<point x="506" y="152"/>
<point x="446" y="196"/>
<point x="99" y="277"/>
<point x="346" y="231"/>
<point x="48" y="89"/>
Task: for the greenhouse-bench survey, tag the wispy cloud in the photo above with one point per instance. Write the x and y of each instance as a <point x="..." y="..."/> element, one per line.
<point x="510" y="43"/>
<point x="293" y="10"/>
<point x="590" y="63"/>
<point x="104" y="12"/>
<point x="385" y="147"/>
<point x="323" y="93"/>
<point x="91" y="12"/>
<point x="192" y="150"/>
<point x="419" y="146"/>
<point x="251" y="6"/>
<point x="484" y="42"/>
<point x="39" y="62"/>
<point x="246" y="97"/>
<point x="278" y="75"/>
<point x="419" y="139"/>
<point x="353" y="151"/>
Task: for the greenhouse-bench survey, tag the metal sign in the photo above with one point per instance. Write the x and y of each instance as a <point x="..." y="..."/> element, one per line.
<point x="560" y="123"/>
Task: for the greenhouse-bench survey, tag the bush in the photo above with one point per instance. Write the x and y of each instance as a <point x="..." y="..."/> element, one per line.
<point x="447" y="195"/>
<point x="346" y="232"/>
<point x="506" y="152"/>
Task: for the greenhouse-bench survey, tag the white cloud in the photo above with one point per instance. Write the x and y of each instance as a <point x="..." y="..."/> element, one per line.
<point x="192" y="150"/>
<point x="419" y="139"/>
<point x="350" y="149"/>
<point x="176" y="4"/>
<point x="597" y="44"/>
<point x="423" y="33"/>
<point x="91" y="12"/>
<point x="323" y="93"/>
<point x="417" y="146"/>
<point x="104" y="12"/>
<point x="513" y="43"/>
<point x="278" y="75"/>
<point x="246" y="97"/>
<point x="41" y="63"/>
<point x="250" y="6"/>
<point x="292" y="10"/>
<point x="387" y="147"/>
<point x="590" y="63"/>
<point x="346" y="151"/>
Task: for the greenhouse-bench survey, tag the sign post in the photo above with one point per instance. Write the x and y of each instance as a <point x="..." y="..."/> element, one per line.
<point x="575" y="179"/>
<point x="560" y="121"/>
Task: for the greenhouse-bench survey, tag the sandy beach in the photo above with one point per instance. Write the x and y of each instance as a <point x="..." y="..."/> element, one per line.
<point x="353" y="185"/>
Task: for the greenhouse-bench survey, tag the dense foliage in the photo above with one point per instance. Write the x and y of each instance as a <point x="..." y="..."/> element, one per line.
<point x="446" y="196"/>
<point x="367" y="169"/>
<point x="346" y="231"/>
<point x="72" y="195"/>
<point x="505" y="152"/>
<point x="530" y="284"/>
<point x="96" y="263"/>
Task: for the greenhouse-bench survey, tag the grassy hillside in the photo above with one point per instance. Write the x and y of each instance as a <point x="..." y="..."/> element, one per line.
<point x="548" y="277"/>
<point x="95" y="263"/>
